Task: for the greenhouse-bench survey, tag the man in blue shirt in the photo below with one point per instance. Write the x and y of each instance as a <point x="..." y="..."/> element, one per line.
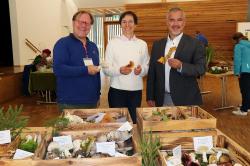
<point x="76" y="61"/>
<point x="201" y="38"/>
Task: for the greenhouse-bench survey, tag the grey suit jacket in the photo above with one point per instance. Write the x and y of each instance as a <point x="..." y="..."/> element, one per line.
<point x="183" y="85"/>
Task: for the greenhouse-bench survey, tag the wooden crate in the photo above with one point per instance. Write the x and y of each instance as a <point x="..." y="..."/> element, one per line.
<point x="30" y="131"/>
<point x="236" y="152"/>
<point x="84" y="113"/>
<point x="99" y="128"/>
<point x="207" y="120"/>
<point x="93" y="126"/>
<point x="111" y="161"/>
<point x="6" y="150"/>
<point x="172" y="139"/>
<point x="173" y="132"/>
<point x="108" y="161"/>
<point x="130" y="160"/>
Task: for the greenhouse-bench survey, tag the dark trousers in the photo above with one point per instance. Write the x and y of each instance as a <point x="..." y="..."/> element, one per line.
<point x="123" y="98"/>
<point x="26" y="76"/>
<point x="244" y="82"/>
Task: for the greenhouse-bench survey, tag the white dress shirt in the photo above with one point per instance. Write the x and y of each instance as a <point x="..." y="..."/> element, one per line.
<point x="119" y="52"/>
<point x="170" y="43"/>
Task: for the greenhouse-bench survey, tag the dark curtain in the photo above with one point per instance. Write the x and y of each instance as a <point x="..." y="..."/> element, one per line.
<point x="6" y="54"/>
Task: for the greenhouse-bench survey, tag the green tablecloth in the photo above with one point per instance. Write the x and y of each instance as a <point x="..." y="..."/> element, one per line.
<point x="42" y="81"/>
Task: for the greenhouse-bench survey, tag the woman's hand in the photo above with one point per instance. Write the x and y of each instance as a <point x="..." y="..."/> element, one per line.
<point x="137" y="70"/>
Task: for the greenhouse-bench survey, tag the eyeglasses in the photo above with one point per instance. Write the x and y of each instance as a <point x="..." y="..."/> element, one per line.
<point x="83" y="22"/>
<point x="127" y="22"/>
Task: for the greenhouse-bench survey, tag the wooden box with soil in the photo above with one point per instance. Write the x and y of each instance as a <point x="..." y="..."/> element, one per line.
<point x="225" y="152"/>
<point x="30" y="140"/>
<point x="176" y="124"/>
<point x="107" y="116"/>
<point x="84" y="149"/>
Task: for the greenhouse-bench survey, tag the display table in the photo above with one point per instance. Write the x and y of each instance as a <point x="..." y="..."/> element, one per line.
<point x="223" y="77"/>
<point x="44" y="82"/>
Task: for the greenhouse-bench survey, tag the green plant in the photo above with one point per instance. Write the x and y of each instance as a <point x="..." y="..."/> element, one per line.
<point x="57" y="124"/>
<point x="162" y="114"/>
<point x="13" y="121"/>
<point x="210" y="53"/>
<point x="29" y="145"/>
<point x="87" y="144"/>
<point x="149" y="147"/>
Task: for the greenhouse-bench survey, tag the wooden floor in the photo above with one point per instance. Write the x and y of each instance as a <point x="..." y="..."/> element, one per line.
<point x="238" y="128"/>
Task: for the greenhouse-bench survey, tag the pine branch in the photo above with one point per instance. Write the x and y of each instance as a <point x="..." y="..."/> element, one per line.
<point x="13" y="120"/>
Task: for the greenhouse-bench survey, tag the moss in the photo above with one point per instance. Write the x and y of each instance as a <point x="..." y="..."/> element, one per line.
<point x="29" y="146"/>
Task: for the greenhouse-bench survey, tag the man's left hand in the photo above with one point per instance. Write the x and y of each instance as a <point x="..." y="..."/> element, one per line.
<point x="174" y="63"/>
<point x="137" y="70"/>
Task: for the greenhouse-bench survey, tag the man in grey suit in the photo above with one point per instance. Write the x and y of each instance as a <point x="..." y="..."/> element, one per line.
<point x="176" y="62"/>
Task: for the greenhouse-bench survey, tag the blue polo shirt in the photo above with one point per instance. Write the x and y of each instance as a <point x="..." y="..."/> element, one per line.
<point x="74" y="84"/>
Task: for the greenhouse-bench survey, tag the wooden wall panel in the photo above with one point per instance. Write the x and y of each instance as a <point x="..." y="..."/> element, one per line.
<point x="216" y="19"/>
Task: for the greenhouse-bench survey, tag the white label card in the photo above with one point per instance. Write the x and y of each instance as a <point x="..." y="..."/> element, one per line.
<point x="21" y="154"/>
<point x="87" y="61"/>
<point x="106" y="147"/>
<point x="5" y="137"/>
<point x="206" y="142"/>
<point x="177" y="152"/>
<point x="125" y="127"/>
<point x="64" y="141"/>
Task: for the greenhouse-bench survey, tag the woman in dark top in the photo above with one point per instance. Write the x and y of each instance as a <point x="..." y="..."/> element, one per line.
<point x="41" y="60"/>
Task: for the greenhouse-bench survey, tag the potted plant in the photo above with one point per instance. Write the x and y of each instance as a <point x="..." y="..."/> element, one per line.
<point x="210" y="53"/>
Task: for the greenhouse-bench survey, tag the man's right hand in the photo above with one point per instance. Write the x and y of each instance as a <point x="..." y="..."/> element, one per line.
<point x="92" y="70"/>
<point x="151" y="103"/>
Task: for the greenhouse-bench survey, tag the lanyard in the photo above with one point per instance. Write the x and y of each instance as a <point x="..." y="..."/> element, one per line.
<point x="85" y="48"/>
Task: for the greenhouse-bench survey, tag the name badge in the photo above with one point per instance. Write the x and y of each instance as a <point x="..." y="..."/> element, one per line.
<point x="87" y="61"/>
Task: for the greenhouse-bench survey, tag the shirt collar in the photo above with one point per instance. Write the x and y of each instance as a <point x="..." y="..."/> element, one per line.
<point x="124" y="38"/>
<point x="176" y="39"/>
<point x="73" y="36"/>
